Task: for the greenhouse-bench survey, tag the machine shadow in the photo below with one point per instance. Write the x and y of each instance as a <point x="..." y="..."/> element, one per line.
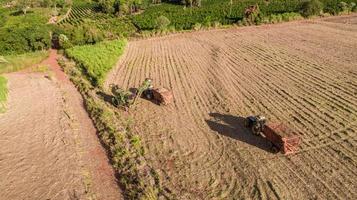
<point x="106" y="97"/>
<point x="233" y="127"/>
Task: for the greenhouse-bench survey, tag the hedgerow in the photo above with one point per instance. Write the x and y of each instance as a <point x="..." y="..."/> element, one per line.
<point x="97" y="60"/>
<point x="221" y="11"/>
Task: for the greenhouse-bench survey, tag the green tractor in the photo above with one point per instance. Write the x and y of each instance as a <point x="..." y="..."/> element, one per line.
<point x="127" y="98"/>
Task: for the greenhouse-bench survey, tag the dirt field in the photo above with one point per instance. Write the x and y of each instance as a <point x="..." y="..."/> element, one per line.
<point x="48" y="144"/>
<point x="301" y="73"/>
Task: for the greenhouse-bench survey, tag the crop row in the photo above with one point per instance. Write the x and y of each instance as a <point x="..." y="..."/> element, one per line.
<point x="78" y="14"/>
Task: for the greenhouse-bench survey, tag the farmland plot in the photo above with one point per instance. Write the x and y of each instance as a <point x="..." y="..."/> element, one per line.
<point x="301" y="73"/>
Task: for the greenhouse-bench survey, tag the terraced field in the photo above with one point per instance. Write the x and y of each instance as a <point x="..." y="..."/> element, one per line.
<point x="301" y="73"/>
<point x="77" y="14"/>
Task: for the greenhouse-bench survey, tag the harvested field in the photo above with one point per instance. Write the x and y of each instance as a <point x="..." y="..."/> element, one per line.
<point x="301" y="73"/>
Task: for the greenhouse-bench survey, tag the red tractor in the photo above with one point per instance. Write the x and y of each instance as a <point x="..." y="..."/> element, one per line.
<point x="283" y="138"/>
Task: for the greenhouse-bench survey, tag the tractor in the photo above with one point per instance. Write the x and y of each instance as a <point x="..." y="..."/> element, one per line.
<point x="281" y="136"/>
<point x="256" y="123"/>
<point x="124" y="98"/>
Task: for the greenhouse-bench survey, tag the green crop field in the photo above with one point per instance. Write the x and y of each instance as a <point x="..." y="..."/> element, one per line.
<point x="97" y="60"/>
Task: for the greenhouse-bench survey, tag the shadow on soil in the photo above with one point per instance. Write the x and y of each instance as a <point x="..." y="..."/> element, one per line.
<point x="233" y="127"/>
<point x="106" y="97"/>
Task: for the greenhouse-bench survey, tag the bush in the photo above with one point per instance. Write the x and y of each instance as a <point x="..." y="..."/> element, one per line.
<point x="97" y="60"/>
<point x="197" y="26"/>
<point x="347" y="8"/>
<point x="310" y="8"/>
<point x="252" y="14"/>
<point x="162" y="22"/>
<point x="64" y="42"/>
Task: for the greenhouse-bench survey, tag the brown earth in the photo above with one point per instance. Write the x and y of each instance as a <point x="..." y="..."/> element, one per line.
<point x="48" y="146"/>
<point x="301" y="73"/>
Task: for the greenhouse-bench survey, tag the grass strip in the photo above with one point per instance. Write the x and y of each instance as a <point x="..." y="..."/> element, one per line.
<point x="13" y="63"/>
<point x="3" y="93"/>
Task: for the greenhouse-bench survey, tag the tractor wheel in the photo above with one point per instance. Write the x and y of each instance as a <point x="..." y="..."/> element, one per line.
<point x="256" y="129"/>
<point x="149" y="96"/>
<point x="274" y="149"/>
<point x="115" y="102"/>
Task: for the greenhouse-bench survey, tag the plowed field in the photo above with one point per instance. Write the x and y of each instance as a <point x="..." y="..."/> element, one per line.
<point x="301" y="73"/>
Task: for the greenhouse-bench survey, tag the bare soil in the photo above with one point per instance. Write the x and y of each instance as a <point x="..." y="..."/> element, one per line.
<point x="48" y="146"/>
<point x="303" y="74"/>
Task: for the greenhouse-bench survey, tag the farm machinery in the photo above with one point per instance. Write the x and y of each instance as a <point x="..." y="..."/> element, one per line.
<point x="121" y="97"/>
<point x="282" y="138"/>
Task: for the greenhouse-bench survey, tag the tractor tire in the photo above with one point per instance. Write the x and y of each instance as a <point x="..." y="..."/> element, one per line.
<point x="149" y="96"/>
<point x="274" y="148"/>
<point x="256" y="130"/>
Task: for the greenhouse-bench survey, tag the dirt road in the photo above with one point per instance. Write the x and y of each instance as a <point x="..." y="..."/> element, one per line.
<point x="301" y="73"/>
<point x="48" y="144"/>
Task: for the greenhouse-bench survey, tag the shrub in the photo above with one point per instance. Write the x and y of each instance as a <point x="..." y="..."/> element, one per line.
<point x="310" y="8"/>
<point x="162" y="22"/>
<point x="252" y="14"/>
<point x="345" y="7"/>
<point x="197" y="26"/>
<point x="290" y="16"/>
<point x="216" y="24"/>
<point x="64" y="42"/>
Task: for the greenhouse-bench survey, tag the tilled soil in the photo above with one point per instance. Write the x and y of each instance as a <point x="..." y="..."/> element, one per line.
<point x="48" y="144"/>
<point x="301" y="73"/>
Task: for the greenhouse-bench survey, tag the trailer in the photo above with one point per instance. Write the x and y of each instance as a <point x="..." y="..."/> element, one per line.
<point x="162" y="96"/>
<point x="283" y="138"/>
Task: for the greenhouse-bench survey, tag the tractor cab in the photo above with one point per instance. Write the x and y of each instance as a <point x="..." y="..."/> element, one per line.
<point x="256" y="123"/>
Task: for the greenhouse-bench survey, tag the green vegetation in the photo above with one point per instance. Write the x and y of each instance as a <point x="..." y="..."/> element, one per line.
<point x="3" y="93"/>
<point x="17" y="62"/>
<point x="311" y="7"/>
<point x="23" y="33"/>
<point x="162" y="23"/>
<point x="97" y="60"/>
<point x="221" y="11"/>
